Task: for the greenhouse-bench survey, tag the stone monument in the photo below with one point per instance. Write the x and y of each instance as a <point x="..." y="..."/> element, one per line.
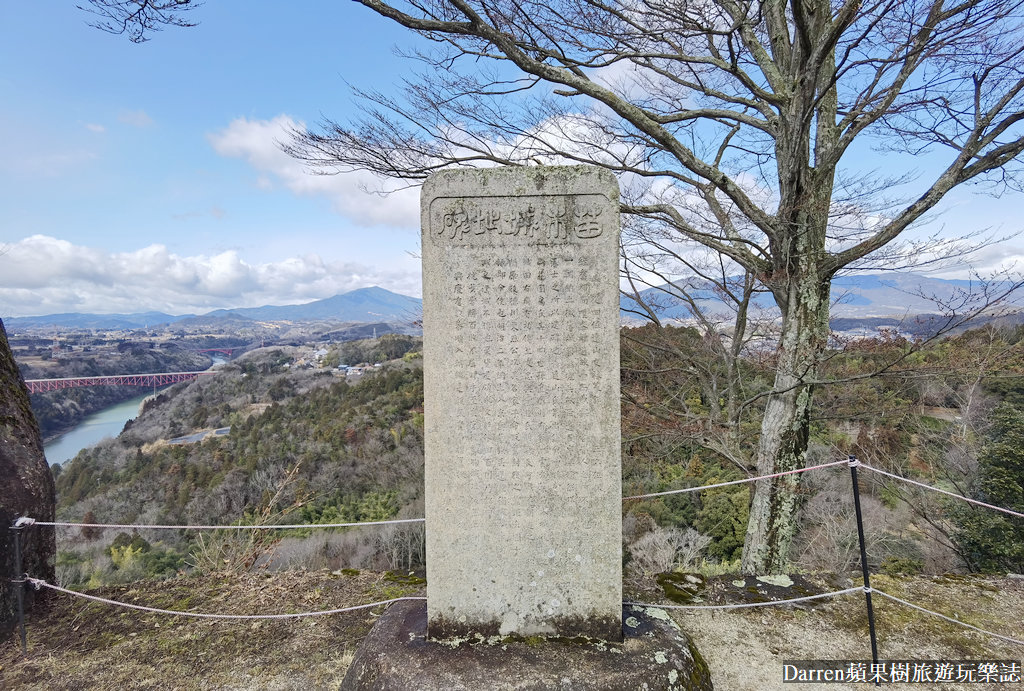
<point x="521" y="380"/>
<point x="522" y="451"/>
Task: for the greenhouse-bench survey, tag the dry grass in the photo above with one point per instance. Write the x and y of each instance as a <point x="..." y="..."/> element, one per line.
<point x="79" y="645"/>
<point x="75" y="644"/>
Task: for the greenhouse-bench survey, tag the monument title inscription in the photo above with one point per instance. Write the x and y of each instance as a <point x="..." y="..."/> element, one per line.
<point x="523" y="478"/>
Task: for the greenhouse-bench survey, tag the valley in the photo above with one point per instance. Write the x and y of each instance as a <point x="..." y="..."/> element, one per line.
<point x="316" y="427"/>
<point x="316" y="430"/>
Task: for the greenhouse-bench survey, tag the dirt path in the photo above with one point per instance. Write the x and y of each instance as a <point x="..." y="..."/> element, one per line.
<point x="745" y="649"/>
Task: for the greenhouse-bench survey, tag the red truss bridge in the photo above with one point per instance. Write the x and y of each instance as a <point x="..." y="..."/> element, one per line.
<point x="157" y="379"/>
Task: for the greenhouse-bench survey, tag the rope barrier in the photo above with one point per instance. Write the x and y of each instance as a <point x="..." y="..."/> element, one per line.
<point x="202" y="615"/>
<point x="62" y="524"/>
<point x="949" y="619"/>
<point x="942" y="491"/>
<point x="736" y="482"/>
<point x="39" y="583"/>
<point x="746" y="605"/>
<point x="25" y="521"/>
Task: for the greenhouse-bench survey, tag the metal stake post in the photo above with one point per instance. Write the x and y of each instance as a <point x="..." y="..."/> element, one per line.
<point x="864" y="559"/>
<point x="19" y="585"/>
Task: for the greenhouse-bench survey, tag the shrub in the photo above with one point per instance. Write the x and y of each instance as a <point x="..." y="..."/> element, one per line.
<point x="662" y="549"/>
<point x="894" y="566"/>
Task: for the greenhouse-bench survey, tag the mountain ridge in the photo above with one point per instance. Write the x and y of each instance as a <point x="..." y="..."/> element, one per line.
<point x="872" y="296"/>
<point x="889" y="296"/>
<point x="372" y="304"/>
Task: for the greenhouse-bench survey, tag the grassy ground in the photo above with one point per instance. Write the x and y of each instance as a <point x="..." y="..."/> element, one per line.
<point x="74" y="644"/>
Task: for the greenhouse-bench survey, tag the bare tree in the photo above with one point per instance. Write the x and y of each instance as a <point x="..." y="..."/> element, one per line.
<point x="731" y="124"/>
<point x="737" y="125"/>
<point x="136" y="18"/>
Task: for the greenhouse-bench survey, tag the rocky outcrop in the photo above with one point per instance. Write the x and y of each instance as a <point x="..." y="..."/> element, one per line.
<point x="26" y="489"/>
<point x="655" y="654"/>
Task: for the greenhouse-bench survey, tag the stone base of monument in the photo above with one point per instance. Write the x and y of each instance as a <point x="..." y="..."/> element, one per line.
<point x="397" y="656"/>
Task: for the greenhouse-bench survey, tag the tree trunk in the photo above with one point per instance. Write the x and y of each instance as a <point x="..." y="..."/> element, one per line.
<point x="26" y="489"/>
<point x="785" y="427"/>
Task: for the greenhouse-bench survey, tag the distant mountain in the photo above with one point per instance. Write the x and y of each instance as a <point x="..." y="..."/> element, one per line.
<point x="897" y="294"/>
<point x="886" y="299"/>
<point x="75" y="320"/>
<point x="362" y="305"/>
<point x="224" y="321"/>
<point x="893" y="296"/>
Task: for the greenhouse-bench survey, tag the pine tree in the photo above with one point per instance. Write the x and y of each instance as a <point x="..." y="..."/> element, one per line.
<point x="991" y="541"/>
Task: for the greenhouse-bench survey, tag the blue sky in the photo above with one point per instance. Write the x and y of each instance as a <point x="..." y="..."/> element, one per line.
<point x="137" y="177"/>
<point x="146" y="176"/>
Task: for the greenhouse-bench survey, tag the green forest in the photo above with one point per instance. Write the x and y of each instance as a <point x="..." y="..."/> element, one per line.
<point x="307" y="445"/>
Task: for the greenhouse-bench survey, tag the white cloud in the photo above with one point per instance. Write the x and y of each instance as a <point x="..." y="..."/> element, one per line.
<point x="989" y="260"/>
<point x="95" y="127"/>
<point x="45" y="275"/>
<point x="258" y="143"/>
<point x="135" y="118"/>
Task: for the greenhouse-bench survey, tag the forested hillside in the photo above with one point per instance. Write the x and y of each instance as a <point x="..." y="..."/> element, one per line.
<point x="940" y="412"/>
<point x="307" y="446"/>
<point x="304" y="446"/>
<point x="58" y="411"/>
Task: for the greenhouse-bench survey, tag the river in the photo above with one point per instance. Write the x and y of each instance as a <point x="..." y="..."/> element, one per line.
<point x="107" y="423"/>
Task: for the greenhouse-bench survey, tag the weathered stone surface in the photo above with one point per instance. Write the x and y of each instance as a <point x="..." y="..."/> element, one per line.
<point x="26" y="488"/>
<point x="521" y="369"/>
<point x="654" y="655"/>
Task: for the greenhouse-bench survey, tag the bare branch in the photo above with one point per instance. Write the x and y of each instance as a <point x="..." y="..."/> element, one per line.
<point x="137" y="18"/>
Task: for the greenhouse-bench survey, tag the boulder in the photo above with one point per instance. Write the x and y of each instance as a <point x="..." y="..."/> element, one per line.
<point x="26" y="489"/>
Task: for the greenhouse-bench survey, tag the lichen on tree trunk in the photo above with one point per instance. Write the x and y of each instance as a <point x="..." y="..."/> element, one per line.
<point x="26" y="489"/>
<point x="785" y="427"/>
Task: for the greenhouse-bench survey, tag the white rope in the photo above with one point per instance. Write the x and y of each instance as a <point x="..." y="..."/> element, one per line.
<point x="228" y="527"/>
<point x="25" y="521"/>
<point x="749" y="604"/>
<point x="941" y="491"/>
<point x="949" y="619"/>
<point x="38" y="583"/>
<point x="202" y="615"/>
<point x="736" y="482"/>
